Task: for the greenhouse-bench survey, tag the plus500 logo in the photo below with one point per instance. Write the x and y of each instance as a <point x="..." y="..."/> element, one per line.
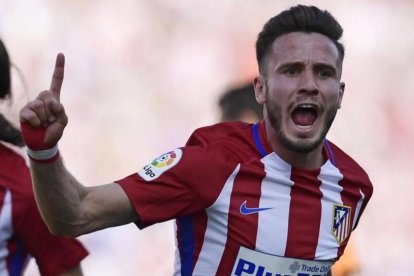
<point x="248" y="268"/>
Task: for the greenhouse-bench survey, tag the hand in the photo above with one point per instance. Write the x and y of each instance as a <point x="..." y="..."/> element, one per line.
<point x="44" y="119"/>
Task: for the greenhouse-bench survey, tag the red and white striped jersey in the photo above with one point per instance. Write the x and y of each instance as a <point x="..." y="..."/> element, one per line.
<point x="23" y="233"/>
<point x="227" y="189"/>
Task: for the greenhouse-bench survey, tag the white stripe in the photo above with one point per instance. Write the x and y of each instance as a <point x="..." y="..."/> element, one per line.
<point x="177" y="260"/>
<point x="217" y="226"/>
<point x="42" y="154"/>
<point x="348" y="225"/>
<point x="358" y="208"/>
<point x="6" y="230"/>
<point x="273" y="225"/>
<point x="331" y="194"/>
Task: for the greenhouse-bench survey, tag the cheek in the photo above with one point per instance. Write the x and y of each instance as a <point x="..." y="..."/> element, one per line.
<point x="275" y="108"/>
<point x="274" y="98"/>
<point x="279" y="89"/>
<point x="283" y="84"/>
<point x="332" y="103"/>
<point x="336" y="98"/>
<point x="332" y="94"/>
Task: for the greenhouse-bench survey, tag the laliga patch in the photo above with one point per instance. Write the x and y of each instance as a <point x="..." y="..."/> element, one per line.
<point x="161" y="164"/>
<point x="341" y="224"/>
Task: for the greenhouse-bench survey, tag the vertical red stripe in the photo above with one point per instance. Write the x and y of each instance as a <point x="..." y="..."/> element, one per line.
<point x="304" y="214"/>
<point x="350" y="196"/>
<point x="242" y="229"/>
<point x="354" y="179"/>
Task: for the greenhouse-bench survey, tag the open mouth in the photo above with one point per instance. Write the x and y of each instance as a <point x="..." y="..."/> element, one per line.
<point x="305" y="115"/>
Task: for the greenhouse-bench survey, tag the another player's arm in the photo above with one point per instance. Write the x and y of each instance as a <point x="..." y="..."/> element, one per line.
<point x="68" y="207"/>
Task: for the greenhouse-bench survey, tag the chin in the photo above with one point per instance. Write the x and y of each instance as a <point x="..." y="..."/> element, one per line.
<point x="301" y="145"/>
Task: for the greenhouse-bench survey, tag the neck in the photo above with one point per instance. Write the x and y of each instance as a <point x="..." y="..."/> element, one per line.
<point x="304" y="160"/>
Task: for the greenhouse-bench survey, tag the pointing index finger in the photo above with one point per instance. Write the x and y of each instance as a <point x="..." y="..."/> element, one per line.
<point x="57" y="78"/>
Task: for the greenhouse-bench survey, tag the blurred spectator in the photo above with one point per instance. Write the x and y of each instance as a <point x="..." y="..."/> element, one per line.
<point x="239" y="104"/>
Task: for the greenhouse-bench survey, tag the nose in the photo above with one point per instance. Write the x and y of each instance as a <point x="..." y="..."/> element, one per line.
<point x="308" y="83"/>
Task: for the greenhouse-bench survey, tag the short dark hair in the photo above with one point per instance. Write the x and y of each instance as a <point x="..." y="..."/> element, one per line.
<point x="5" y="81"/>
<point x="238" y="99"/>
<point x="308" y="19"/>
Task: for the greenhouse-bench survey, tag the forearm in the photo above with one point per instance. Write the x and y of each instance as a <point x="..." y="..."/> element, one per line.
<point x="67" y="207"/>
<point x="59" y="197"/>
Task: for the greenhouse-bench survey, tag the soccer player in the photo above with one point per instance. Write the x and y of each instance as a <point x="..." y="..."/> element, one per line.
<point x="275" y="197"/>
<point x="23" y="234"/>
<point x="239" y="104"/>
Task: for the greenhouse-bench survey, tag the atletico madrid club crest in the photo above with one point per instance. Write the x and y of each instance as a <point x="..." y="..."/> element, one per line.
<point x="341" y="224"/>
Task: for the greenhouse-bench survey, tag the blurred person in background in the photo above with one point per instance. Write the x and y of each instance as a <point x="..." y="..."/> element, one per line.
<point x="239" y="104"/>
<point x="272" y="197"/>
<point x="23" y="234"/>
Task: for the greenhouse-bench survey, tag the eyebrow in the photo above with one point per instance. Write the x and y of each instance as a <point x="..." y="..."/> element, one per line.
<point x="299" y="64"/>
<point x="290" y="64"/>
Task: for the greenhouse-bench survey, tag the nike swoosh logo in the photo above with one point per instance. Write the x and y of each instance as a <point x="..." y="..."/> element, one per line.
<point x="248" y="211"/>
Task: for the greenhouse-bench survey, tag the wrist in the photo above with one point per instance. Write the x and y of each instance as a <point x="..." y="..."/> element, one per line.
<point x="44" y="156"/>
<point x="37" y="149"/>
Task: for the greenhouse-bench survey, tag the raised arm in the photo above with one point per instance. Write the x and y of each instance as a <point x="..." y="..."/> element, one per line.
<point x="68" y="207"/>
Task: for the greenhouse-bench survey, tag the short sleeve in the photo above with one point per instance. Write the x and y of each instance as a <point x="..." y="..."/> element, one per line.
<point x="180" y="182"/>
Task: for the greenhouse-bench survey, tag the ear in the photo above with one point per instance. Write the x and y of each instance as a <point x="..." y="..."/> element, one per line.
<point x="341" y="93"/>
<point x="260" y="89"/>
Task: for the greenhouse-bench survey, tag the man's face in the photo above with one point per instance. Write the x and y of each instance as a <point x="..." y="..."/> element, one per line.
<point x="301" y="89"/>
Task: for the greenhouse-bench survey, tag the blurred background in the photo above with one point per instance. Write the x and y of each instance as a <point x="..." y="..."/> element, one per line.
<point x="142" y="75"/>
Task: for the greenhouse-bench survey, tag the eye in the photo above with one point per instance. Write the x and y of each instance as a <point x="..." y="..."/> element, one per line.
<point x="291" y="71"/>
<point x="325" y="72"/>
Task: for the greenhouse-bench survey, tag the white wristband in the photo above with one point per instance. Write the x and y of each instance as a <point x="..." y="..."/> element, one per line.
<point x="42" y="155"/>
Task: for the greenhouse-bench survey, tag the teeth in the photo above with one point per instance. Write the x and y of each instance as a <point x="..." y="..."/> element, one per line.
<point x="304" y="127"/>
<point x="306" y="106"/>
